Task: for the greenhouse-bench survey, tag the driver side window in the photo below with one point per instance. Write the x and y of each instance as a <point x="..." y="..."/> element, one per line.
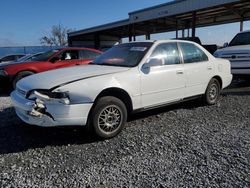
<point x="69" y="55"/>
<point x="168" y="52"/>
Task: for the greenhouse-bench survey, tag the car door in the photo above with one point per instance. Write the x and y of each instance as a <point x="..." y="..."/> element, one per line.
<point x="165" y="82"/>
<point x="67" y="58"/>
<point x="197" y="67"/>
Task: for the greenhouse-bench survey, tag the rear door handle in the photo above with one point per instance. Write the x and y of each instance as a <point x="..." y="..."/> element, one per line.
<point x="179" y="72"/>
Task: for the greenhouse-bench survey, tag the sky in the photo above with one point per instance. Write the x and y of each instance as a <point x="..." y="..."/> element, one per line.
<point x="24" y="22"/>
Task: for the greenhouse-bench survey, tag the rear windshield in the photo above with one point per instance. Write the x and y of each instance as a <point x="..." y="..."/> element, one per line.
<point x="241" y="39"/>
<point x="124" y="55"/>
<point x="24" y="58"/>
<point x="45" y="56"/>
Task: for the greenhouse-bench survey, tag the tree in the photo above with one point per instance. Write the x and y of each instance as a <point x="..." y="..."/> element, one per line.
<point x="57" y="37"/>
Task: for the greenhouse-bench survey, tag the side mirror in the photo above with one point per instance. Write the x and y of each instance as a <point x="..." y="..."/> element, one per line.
<point x="54" y="59"/>
<point x="153" y="62"/>
<point x="225" y="45"/>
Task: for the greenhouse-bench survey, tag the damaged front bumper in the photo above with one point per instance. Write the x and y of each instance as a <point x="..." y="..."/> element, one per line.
<point x="50" y="113"/>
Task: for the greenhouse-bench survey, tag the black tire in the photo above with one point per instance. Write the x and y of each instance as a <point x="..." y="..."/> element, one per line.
<point x="20" y="76"/>
<point x="212" y="94"/>
<point x="108" y="117"/>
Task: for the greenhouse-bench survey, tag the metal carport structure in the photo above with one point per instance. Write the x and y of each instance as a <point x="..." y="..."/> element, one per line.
<point x="173" y="16"/>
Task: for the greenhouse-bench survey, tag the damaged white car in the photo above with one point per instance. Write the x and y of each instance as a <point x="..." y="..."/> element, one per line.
<point x="127" y="78"/>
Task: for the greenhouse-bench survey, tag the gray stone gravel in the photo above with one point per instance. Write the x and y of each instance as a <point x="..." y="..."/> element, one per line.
<point x="186" y="145"/>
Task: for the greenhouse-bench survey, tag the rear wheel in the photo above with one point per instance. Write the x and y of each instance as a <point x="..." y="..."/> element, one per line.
<point x="20" y="76"/>
<point x="212" y="94"/>
<point x="108" y="117"/>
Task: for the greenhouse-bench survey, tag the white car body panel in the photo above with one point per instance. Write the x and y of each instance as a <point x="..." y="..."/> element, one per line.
<point x="146" y="88"/>
<point x="64" y="75"/>
<point x="170" y="86"/>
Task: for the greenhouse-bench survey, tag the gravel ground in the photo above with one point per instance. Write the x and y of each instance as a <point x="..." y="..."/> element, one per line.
<point x="186" y="145"/>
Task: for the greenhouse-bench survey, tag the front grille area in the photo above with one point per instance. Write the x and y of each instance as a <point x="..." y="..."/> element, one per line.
<point x="237" y="57"/>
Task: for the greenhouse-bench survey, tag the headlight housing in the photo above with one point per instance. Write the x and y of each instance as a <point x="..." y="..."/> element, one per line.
<point x="47" y="95"/>
<point x="3" y="72"/>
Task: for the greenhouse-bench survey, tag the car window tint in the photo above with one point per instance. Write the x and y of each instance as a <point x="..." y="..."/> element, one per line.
<point x="87" y="54"/>
<point x="168" y="52"/>
<point x="19" y="56"/>
<point x="241" y="39"/>
<point x="192" y="54"/>
<point x="9" y="58"/>
<point x="69" y="55"/>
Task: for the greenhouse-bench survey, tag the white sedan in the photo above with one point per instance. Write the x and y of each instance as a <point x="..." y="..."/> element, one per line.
<point x="128" y="78"/>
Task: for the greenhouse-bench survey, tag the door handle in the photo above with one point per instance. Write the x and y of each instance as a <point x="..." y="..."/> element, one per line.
<point x="179" y="72"/>
<point x="209" y="68"/>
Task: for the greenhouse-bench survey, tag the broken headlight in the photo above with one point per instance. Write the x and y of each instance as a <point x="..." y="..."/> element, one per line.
<point x="47" y="95"/>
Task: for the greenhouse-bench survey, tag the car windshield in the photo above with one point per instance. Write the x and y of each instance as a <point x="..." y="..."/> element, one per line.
<point x="124" y="55"/>
<point x="241" y="39"/>
<point x="24" y="58"/>
<point x="44" y="56"/>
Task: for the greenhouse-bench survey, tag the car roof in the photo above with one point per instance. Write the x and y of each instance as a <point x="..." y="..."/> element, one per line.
<point x="77" y="48"/>
<point x="163" y="40"/>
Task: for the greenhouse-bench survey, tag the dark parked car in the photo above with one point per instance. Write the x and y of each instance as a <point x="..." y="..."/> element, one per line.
<point x="12" y="57"/>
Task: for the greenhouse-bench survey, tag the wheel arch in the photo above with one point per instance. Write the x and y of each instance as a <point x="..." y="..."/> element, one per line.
<point x="219" y="80"/>
<point x="118" y="93"/>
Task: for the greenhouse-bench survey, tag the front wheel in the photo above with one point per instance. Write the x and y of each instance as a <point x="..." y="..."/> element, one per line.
<point x="108" y="117"/>
<point x="212" y="94"/>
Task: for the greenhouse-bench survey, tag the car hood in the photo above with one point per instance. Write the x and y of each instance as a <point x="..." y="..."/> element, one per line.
<point x="51" y="79"/>
<point x="234" y="49"/>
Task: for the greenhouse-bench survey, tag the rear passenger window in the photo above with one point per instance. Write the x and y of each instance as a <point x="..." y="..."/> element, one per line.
<point x="86" y="54"/>
<point x="168" y="52"/>
<point x="192" y="54"/>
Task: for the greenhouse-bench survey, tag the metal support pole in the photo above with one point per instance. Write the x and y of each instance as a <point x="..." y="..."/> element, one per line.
<point x="97" y="41"/>
<point x="147" y="36"/>
<point x="183" y="33"/>
<point x="193" y="24"/>
<point x="69" y="42"/>
<point x="134" y="33"/>
<point x="241" y="25"/>
<point x="176" y="32"/>
<point x="130" y="33"/>
<point x="130" y="38"/>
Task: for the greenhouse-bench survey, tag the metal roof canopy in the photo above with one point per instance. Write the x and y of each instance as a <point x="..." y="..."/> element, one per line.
<point x="172" y="16"/>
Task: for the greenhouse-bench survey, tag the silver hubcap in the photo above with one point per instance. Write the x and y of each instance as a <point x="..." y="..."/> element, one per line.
<point x="110" y="119"/>
<point x="213" y="92"/>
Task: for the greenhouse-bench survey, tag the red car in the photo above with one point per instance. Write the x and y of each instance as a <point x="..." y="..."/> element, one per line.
<point x="54" y="59"/>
